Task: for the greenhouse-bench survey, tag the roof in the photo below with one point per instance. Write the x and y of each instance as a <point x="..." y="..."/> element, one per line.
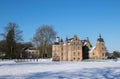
<point x="92" y="49"/>
<point x="56" y="43"/>
<point x="30" y="48"/>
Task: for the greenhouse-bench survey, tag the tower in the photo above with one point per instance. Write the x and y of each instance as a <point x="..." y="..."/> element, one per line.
<point x="98" y="52"/>
<point x="56" y="50"/>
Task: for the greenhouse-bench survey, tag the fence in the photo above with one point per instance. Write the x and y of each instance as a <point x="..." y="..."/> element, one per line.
<point x="26" y="60"/>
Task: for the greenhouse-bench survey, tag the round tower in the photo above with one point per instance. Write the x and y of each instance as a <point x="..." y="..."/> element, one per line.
<point x="100" y="48"/>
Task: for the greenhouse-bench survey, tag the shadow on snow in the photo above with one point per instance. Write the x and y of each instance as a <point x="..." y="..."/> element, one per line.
<point x="87" y="73"/>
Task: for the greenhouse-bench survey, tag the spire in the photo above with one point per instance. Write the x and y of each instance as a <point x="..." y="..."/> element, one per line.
<point x="100" y="39"/>
<point x="61" y="40"/>
<point x="75" y="37"/>
<point x="99" y="35"/>
<point x="87" y="38"/>
<point x="66" y="38"/>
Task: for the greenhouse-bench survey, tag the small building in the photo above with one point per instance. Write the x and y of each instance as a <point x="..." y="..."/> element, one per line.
<point x="30" y="52"/>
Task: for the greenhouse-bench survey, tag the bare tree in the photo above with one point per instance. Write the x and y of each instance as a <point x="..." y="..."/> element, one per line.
<point x="12" y="35"/>
<point x="43" y="39"/>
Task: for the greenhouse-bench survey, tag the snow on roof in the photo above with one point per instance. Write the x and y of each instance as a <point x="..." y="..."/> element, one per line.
<point x="85" y="43"/>
<point x="92" y="49"/>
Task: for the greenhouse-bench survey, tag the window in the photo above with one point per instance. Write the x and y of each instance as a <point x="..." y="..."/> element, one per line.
<point x="102" y="54"/>
<point x="73" y="47"/>
<point x="62" y="54"/>
<point x="78" y="53"/>
<point x="93" y="53"/>
<point x="73" y="58"/>
<point x="62" y="48"/>
<point x="102" y="48"/>
<point x="78" y="58"/>
<point x="74" y="43"/>
<point x="78" y="48"/>
<point x="74" y="53"/>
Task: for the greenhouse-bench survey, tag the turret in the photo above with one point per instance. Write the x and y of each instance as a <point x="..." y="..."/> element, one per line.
<point x="100" y="39"/>
<point x="57" y="39"/>
<point x="98" y="52"/>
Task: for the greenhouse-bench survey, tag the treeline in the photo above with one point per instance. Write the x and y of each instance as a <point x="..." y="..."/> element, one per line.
<point x="12" y="43"/>
<point x="113" y="55"/>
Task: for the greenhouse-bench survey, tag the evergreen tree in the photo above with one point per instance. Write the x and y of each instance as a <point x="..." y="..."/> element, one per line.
<point x="12" y="35"/>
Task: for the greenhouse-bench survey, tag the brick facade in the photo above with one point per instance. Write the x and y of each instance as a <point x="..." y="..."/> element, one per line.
<point x="74" y="49"/>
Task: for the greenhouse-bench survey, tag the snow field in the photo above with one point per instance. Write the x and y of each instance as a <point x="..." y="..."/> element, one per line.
<point x="46" y="69"/>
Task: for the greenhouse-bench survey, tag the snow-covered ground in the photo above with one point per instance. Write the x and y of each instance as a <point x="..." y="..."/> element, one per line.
<point x="59" y="70"/>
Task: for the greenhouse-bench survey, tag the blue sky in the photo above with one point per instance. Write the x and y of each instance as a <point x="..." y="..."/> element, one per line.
<point x="85" y="18"/>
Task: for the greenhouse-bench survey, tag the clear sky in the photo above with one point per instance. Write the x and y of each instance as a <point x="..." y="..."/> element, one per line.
<point x="85" y="18"/>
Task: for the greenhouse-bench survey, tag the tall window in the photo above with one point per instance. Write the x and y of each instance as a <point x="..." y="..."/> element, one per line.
<point x="73" y="48"/>
<point x="102" y="48"/>
<point x="62" y="48"/>
<point x="78" y="53"/>
<point x="102" y="54"/>
<point x="62" y="55"/>
<point x="74" y="53"/>
<point x="74" y="43"/>
<point x="78" y="48"/>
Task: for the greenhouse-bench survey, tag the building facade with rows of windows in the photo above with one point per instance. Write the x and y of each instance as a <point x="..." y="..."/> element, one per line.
<point x="74" y="49"/>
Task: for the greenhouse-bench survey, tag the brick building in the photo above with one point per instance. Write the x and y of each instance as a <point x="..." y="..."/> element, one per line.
<point x="74" y="49"/>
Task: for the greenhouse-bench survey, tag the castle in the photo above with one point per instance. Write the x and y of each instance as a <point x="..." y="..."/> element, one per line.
<point x="74" y="49"/>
